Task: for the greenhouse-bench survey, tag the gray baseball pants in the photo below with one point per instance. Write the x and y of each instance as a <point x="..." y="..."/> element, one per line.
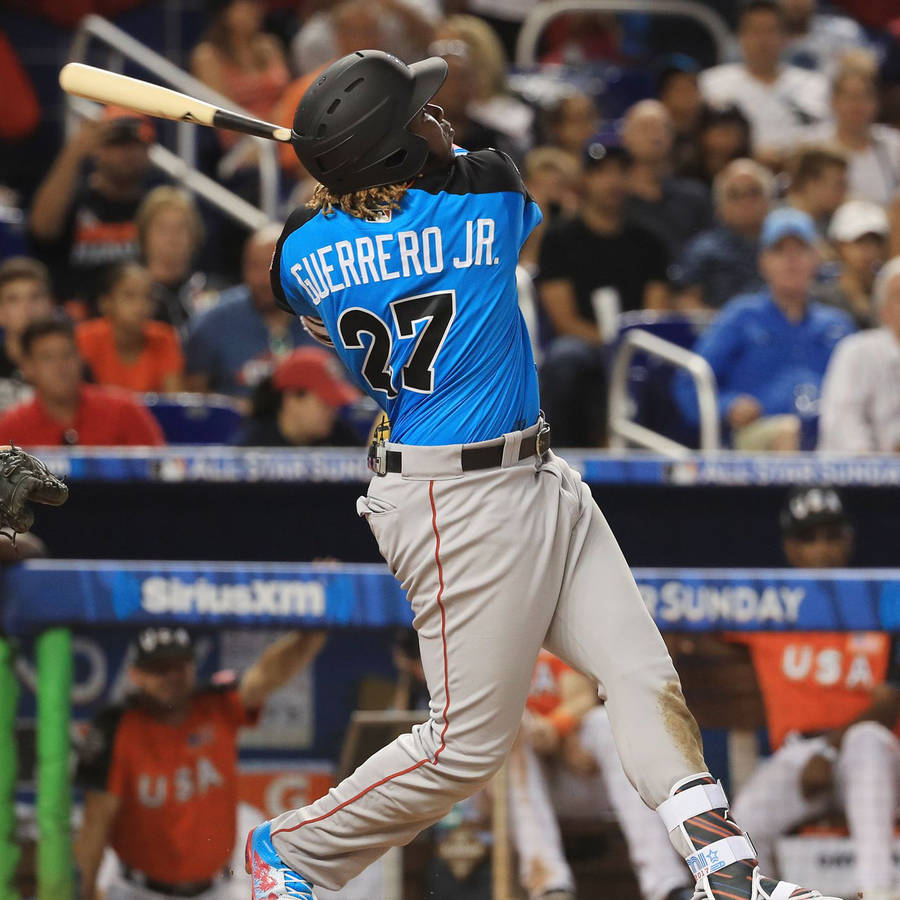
<point x="496" y="563"/>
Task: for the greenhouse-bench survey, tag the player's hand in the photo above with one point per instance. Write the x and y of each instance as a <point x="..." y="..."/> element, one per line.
<point x="542" y="734"/>
<point x="576" y="758"/>
<point x="85" y="140"/>
<point x="817" y="776"/>
<point x="744" y="410"/>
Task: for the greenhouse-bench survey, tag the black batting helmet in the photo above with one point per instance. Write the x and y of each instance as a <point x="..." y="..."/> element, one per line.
<point x="350" y="126"/>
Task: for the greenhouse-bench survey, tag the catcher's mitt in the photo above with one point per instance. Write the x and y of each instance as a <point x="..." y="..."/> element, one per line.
<point x="25" y="480"/>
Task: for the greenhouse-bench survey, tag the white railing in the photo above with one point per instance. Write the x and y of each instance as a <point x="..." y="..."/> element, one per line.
<point x="181" y="166"/>
<point x="623" y="430"/>
<point x="544" y="13"/>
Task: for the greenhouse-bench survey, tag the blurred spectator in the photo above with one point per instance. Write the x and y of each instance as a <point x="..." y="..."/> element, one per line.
<point x="678" y="89"/>
<point x="25" y="295"/>
<point x="818" y="183"/>
<point x="580" y="38"/>
<point x="674" y="208"/>
<point x="391" y="25"/>
<point x="873" y="150"/>
<point x="564" y="728"/>
<point x="552" y="177"/>
<point x="831" y="701"/>
<point x="456" y="95"/>
<point x="65" y="411"/>
<point x="492" y="104"/>
<point x="170" y="233"/>
<point x="504" y="16"/>
<point x="80" y="225"/>
<point x="723" y="135"/>
<point x="185" y="734"/>
<point x="571" y="122"/>
<point x="591" y="268"/>
<point x="238" y="59"/>
<point x="860" y="409"/>
<point x="779" y="100"/>
<point x="13" y="237"/>
<point x="401" y="27"/>
<point x="723" y="262"/>
<point x="126" y="348"/>
<point x="818" y="40"/>
<point x="239" y="341"/>
<point x="859" y="232"/>
<point x="298" y="405"/>
<point x="769" y="350"/>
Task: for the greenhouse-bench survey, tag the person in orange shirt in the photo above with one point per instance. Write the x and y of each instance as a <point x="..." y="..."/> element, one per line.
<point x="564" y="722"/>
<point x="832" y="702"/>
<point x="126" y="348"/>
<point x="65" y="410"/>
<point x="160" y="771"/>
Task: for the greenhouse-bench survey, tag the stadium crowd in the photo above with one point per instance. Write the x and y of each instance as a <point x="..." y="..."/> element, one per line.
<point x="759" y="196"/>
<point x="756" y="200"/>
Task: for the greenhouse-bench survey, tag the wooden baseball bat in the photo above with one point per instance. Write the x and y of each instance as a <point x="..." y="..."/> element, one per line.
<point x="155" y="100"/>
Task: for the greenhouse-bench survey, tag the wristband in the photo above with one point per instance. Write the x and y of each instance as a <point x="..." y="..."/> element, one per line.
<point x="563" y="721"/>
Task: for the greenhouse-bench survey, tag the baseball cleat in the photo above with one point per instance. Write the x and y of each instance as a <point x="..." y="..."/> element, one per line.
<point x="271" y="878"/>
<point x="739" y="882"/>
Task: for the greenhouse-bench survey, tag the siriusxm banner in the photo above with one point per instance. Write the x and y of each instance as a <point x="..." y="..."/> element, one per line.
<point x="38" y="594"/>
<point x="224" y="464"/>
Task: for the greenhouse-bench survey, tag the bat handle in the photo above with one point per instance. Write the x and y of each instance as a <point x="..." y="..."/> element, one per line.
<point x="236" y="122"/>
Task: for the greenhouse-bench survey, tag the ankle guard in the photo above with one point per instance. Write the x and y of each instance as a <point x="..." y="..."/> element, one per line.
<point x="698" y="810"/>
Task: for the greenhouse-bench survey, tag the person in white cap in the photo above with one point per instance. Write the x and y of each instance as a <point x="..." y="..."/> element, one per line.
<point x="860" y="407"/>
<point x="859" y="231"/>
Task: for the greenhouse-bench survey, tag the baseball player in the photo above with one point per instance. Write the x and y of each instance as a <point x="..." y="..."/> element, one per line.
<point x="563" y="719"/>
<point x="408" y="268"/>
<point x="832" y="701"/>
<point x="160" y="771"/>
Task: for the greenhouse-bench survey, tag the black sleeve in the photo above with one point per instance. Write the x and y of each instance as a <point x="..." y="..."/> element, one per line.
<point x="655" y="261"/>
<point x="296" y="219"/>
<point x="95" y="752"/>
<point x="553" y="262"/>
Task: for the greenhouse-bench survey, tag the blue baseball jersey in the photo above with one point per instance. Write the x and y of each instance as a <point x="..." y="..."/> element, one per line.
<point x="422" y="304"/>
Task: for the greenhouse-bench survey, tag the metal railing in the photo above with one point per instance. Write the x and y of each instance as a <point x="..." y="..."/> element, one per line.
<point x="542" y="14"/>
<point x="181" y="166"/>
<point x="623" y="430"/>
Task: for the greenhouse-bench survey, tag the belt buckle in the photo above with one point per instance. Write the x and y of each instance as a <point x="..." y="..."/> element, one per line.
<point x="377" y="459"/>
<point x="542" y="440"/>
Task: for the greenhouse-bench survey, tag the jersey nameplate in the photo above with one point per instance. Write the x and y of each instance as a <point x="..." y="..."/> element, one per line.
<point x="384" y="257"/>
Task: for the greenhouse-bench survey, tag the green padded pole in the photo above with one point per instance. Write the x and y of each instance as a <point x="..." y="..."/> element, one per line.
<point x="55" y="871"/>
<point x="9" y="695"/>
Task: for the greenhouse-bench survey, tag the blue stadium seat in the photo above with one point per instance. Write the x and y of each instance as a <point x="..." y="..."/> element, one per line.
<point x="195" y="418"/>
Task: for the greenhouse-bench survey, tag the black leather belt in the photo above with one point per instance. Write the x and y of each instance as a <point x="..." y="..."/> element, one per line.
<point x="382" y="460"/>
<point x="185" y="889"/>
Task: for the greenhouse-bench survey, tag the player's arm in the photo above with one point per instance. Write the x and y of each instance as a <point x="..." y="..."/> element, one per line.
<point x="577" y="695"/>
<point x="55" y="193"/>
<point x="277" y="664"/>
<point x="100" y="808"/>
<point x="558" y="299"/>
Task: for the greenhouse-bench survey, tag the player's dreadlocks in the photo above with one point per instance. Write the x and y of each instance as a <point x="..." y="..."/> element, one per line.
<point x="366" y="204"/>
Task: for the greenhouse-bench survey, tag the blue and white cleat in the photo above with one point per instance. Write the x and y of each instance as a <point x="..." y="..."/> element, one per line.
<point x="272" y="879"/>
